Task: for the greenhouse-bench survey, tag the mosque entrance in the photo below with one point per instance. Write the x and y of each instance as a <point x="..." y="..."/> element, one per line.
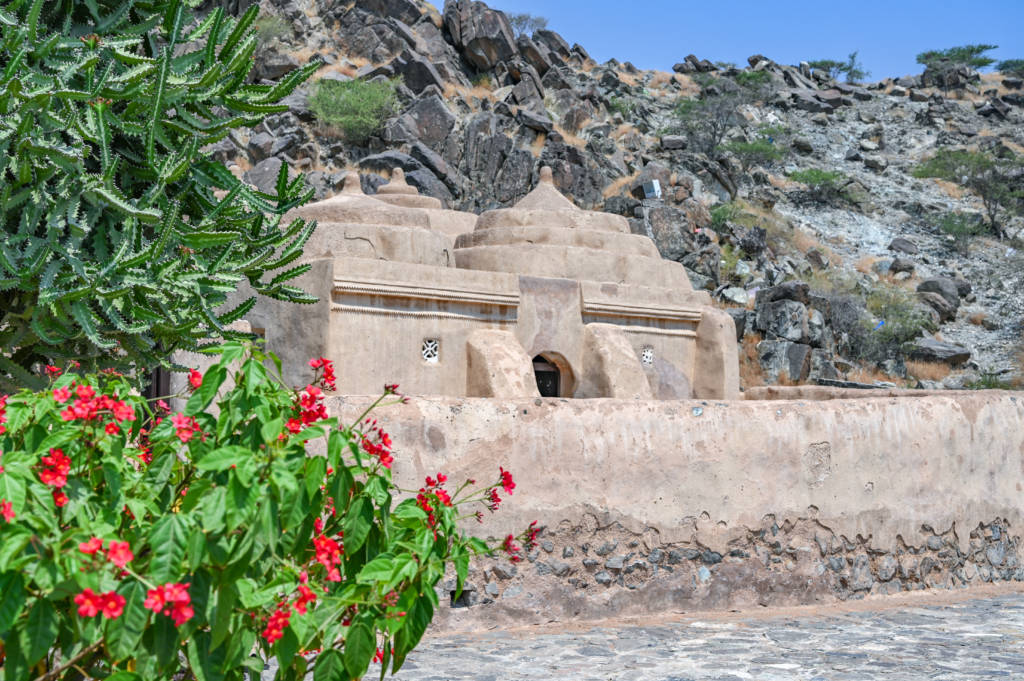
<point x="548" y="377"/>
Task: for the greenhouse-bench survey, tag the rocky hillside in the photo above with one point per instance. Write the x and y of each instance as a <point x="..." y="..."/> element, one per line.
<point x="839" y="275"/>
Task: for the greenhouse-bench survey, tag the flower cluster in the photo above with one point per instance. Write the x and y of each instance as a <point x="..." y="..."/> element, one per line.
<point x="87" y="406"/>
<point x="171" y="599"/>
<point x="90" y="604"/>
<point x="433" y="493"/>
<point x="325" y="373"/>
<point x="7" y="510"/>
<point x="118" y="552"/>
<point x="195" y="379"/>
<point x="310" y="405"/>
<point x="376" y="442"/>
<point x="306" y="596"/>
<point x="277" y="623"/>
<point x="509" y="547"/>
<point x="3" y="414"/>
<point x="55" y="474"/>
<point x="328" y="553"/>
<point x="505" y="480"/>
<point x="185" y="426"/>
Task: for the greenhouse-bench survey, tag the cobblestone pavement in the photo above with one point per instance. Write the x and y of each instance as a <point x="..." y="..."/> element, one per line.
<point x="974" y="640"/>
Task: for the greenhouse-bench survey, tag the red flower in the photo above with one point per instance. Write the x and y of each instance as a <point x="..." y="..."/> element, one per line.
<point x="328" y="554"/>
<point x="53" y="371"/>
<point x="7" y="510"/>
<point x="506" y="480"/>
<point x="195" y="378"/>
<point x="62" y="395"/>
<point x="122" y="411"/>
<point x="59" y="498"/>
<point x="85" y="392"/>
<point x="185" y="426"/>
<point x="92" y="546"/>
<point x="509" y="547"/>
<point x="327" y="379"/>
<point x="57" y="466"/>
<point x="277" y="622"/>
<point x="88" y="603"/>
<point x="378" y="656"/>
<point x="112" y="428"/>
<point x="119" y="553"/>
<point x="294" y="426"/>
<point x="306" y="596"/>
<point x="173" y="600"/>
<point x="495" y="499"/>
<point x="112" y="605"/>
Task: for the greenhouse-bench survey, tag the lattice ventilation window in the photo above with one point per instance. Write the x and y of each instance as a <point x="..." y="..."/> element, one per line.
<point x="647" y="356"/>
<point x="431" y="350"/>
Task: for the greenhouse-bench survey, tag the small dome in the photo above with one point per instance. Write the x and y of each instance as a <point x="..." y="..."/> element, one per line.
<point x="399" y="193"/>
<point x="352" y="206"/>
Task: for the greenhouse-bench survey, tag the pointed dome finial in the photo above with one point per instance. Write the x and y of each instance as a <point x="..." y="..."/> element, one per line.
<point x="352" y="184"/>
<point x="398" y="176"/>
<point x="546" y="176"/>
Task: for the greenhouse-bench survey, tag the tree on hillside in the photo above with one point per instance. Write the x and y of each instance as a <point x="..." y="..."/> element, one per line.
<point x="854" y="69"/>
<point x="963" y="55"/>
<point x="997" y="181"/>
<point x="527" y="24"/>
<point x="1011" y="67"/>
<point x="830" y="66"/>
<point x="121" y="238"/>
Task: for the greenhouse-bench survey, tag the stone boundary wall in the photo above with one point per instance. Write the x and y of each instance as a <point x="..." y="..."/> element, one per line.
<point x="687" y="505"/>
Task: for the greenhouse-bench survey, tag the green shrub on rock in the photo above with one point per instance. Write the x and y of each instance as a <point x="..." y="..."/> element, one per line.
<point x="357" y="108"/>
<point x="823" y="185"/>
<point x="121" y="237"/>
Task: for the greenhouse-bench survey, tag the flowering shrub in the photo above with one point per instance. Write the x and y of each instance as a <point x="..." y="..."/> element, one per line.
<point x="137" y="544"/>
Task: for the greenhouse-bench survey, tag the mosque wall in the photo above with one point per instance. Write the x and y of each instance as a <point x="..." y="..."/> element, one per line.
<point x="655" y="506"/>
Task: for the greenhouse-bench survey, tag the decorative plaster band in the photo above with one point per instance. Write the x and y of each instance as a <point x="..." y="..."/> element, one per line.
<point x="667" y="314"/>
<point x="368" y="287"/>
<point x="509" y="318"/>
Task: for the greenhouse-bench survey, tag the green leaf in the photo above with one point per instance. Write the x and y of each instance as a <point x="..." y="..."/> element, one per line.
<point x="224" y="458"/>
<point x="125" y="633"/>
<point x="12" y="489"/>
<point x="201" y="398"/>
<point x="167" y="540"/>
<point x="330" y="666"/>
<point x="360" y="646"/>
<point x="377" y="570"/>
<point x="12" y="599"/>
<point x="358" y="522"/>
<point x="41" y="630"/>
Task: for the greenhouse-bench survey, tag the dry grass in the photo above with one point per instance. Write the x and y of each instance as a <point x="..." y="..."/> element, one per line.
<point x="864" y="264"/>
<point x="571" y="138"/>
<point x="951" y="189"/>
<point x="928" y="371"/>
<point x="751" y="374"/>
<point x="868" y="374"/>
<point x="978" y="318"/>
<point x="660" y="79"/>
<point x="615" y="187"/>
<point x="538" y="144"/>
<point x="623" y="130"/>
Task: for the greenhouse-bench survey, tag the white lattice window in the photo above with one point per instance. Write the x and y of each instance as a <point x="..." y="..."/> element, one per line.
<point x="647" y="356"/>
<point x="431" y="350"/>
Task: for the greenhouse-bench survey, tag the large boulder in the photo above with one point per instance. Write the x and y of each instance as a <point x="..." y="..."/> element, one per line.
<point x="931" y="350"/>
<point x="786" y="319"/>
<point x="483" y="35"/>
<point x="429" y="120"/>
<point x="417" y="72"/>
<point x="945" y="287"/>
<point x="780" y="359"/>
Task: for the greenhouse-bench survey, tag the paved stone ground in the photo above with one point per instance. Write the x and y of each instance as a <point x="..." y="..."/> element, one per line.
<point x="974" y="640"/>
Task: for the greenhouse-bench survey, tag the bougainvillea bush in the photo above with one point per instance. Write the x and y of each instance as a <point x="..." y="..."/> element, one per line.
<point x="140" y="543"/>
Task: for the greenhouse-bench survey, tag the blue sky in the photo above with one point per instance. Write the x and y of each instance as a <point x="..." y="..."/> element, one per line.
<point x="888" y="34"/>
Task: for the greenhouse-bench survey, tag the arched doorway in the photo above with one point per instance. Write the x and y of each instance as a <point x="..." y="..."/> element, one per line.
<point x="554" y="377"/>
